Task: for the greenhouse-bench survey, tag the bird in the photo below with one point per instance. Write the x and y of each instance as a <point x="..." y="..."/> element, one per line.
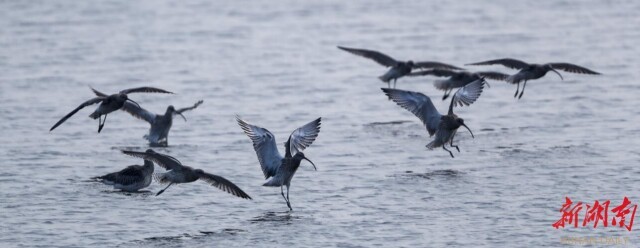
<point x="457" y="79"/>
<point x="178" y="173"/>
<point x="443" y="126"/>
<point x="160" y="124"/>
<point x="398" y="68"/>
<point x="533" y="71"/>
<point x="130" y="179"/>
<point x="281" y="169"/>
<point x="109" y="104"/>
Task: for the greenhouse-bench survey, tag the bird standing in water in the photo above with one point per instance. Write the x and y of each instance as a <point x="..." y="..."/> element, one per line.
<point x="443" y="126"/>
<point x="281" y="169"/>
<point x="533" y="71"/>
<point x="108" y="104"/>
<point x="130" y="179"/>
<point x="398" y="68"/>
<point x="160" y="124"/>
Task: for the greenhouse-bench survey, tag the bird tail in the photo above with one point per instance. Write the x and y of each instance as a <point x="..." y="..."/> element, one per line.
<point x="385" y="78"/>
<point x="513" y="79"/>
<point x="434" y="144"/>
<point x="107" y="179"/>
<point x="161" y="178"/>
<point x="441" y="84"/>
<point x="272" y="183"/>
<point x="94" y="115"/>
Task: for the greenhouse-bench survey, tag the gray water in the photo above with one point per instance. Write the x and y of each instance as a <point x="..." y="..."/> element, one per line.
<point x="276" y="64"/>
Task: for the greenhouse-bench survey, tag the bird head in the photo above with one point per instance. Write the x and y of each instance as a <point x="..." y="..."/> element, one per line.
<point x="198" y="171"/>
<point x="410" y="63"/>
<point x="300" y="156"/>
<point x="171" y="110"/>
<point x="461" y="122"/>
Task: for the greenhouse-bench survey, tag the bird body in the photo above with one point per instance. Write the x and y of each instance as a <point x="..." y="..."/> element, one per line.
<point x="397" y="68"/>
<point x="533" y="71"/>
<point x="178" y="173"/>
<point x="444" y="127"/>
<point x="130" y="179"/>
<point x="281" y="169"/>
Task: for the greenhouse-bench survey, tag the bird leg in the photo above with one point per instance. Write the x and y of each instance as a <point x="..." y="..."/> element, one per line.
<point x="101" y="122"/>
<point x="394" y="82"/>
<point x="450" y="153"/>
<point x="446" y="94"/>
<point x="288" y="202"/>
<point x="160" y="192"/>
<point x="522" y="92"/>
<point x="285" y="198"/>
<point x="517" y="90"/>
<point x="451" y="143"/>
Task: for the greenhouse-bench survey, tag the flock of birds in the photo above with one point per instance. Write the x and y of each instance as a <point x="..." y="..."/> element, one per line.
<point x="280" y="169"/>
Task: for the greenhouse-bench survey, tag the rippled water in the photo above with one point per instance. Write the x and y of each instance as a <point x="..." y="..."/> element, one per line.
<point x="275" y="63"/>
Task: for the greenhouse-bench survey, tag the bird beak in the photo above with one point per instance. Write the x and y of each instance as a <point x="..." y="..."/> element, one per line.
<point x="314" y="166"/>
<point x="469" y="131"/>
<point x="134" y="102"/>
<point x="557" y="73"/>
<point x="180" y="114"/>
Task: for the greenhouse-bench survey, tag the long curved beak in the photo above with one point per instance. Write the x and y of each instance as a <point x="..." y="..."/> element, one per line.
<point x="180" y="114"/>
<point x="134" y="102"/>
<point x="557" y="73"/>
<point x="314" y="165"/>
<point x="469" y="131"/>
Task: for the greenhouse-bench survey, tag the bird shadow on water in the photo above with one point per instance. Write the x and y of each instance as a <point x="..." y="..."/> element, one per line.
<point x="178" y="240"/>
<point x="270" y="216"/>
<point x="446" y="174"/>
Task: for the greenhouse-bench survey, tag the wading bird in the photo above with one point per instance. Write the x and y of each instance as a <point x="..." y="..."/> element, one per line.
<point x="160" y="124"/>
<point x="130" y="179"/>
<point x="178" y="173"/>
<point x="281" y="169"/>
<point x="443" y="126"/>
<point x="533" y="71"/>
<point x="457" y="79"/>
<point x="109" y="104"/>
<point x="398" y="68"/>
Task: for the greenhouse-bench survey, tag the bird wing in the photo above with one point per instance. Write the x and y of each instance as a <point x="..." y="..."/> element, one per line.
<point x="223" y="184"/>
<point x="418" y="104"/>
<point x="145" y="90"/>
<point x="189" y="108"/>
<point x="87" y="103"/>
<point x="165" y="161"/>
<point x="134" y="110"/>
<point x="467" y="94"/>
<point x="264" y="143"/>
<point x="493" y="75"/>
<point x="434" y="72"/>
<point x="572" y="68"/>
<point x="302" y="137"/>
<point x="511" y="63"/>
<point x="379" y="57"/>
<point x="433" y="64"/>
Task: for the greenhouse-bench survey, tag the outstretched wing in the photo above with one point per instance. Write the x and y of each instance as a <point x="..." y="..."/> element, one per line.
<point x="223" y="184"/>
<point x="134" y="110"/>
<point x="467" y="94"/>
<point x="145" y="90"/>
<point x="165" y="161"/>
<point x="493" y="75"/>
<point x="264" y="143"/>
<point x="189" y="108"/>
<point x="418" y="104"/>
<point x="511" y="63"/>
<point x="379" y="57"/>
<point x="572" y="68"/>
<point x="87" y="103"/>
<point x="436" y="65"/>
<point x="434" y="72"/>
<point x="302" y="137"/>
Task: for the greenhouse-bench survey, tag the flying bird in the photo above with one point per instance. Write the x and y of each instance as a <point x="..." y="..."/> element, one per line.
<point x="457" y="79"/>
<point x="109" y="104"/>
<point x="130" y="179"/>
<point x="281" y="169"/>
<point x="398" y="68"/>
<point x="443" y="126"/>
<point x="160" y="124"/>
<point x="533" y="71"/>
<point x="178" y="173"/>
